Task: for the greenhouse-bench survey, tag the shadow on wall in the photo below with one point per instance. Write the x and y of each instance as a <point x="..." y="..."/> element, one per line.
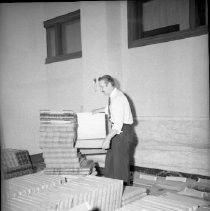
<point x="134" y="139"/>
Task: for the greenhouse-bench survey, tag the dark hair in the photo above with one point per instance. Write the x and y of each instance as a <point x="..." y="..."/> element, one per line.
<point x="107" y="79"/>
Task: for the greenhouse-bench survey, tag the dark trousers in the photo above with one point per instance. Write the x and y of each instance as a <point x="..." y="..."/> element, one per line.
<point x="117" y="158"/>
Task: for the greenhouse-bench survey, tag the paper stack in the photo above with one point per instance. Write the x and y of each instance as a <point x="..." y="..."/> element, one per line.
<point x="206" y="208"/>
<point x="196" y="202"/>
<point x="99" y="192"/>
<point x="58" y="132"/>
<point x="15" y="163"/>
<point x="48" y="200"/>
<point x="90" y="136"/>
<point x="82" y="207"/>
<point x="149" y="180"/>
<point x="131" y="194"/>
<point x="194" y="193"/>
<point x="145" y="180"/>
<point x="205" y="181"/>
<point x="29" y="184"/>
<point x="179" y="179"/>
<point x="166" y="202"/>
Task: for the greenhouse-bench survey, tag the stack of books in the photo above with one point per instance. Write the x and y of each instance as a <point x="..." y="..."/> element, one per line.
<point x="58" y="133"/>
<point x="131" y="194"/>
<point x="144" y="180"/>
<point x="102" y="193"/>
<point x="15" y="162"/>
<point x="169" y="183"/>
<point x="167" y="202"/>
<point x="29" y="184"/>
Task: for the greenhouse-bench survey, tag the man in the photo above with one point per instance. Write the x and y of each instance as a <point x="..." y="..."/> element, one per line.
<point x="119" y="137"/>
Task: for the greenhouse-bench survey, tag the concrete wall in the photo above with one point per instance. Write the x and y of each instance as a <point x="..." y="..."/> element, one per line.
<point x="167" y="82"/>
<point x="64" y="79"/>
<point x="22" y="74"/>
<point x="169" y="87"/>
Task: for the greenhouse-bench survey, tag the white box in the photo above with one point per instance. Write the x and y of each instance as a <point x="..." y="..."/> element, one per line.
<point x="91" y="126"/>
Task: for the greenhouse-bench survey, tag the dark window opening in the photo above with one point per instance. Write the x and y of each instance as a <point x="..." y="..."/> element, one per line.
<point x="155" y="21"/>
<point x="63" y="35"/>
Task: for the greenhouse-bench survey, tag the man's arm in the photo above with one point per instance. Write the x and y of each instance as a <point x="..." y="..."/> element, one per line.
<point x="106" y="144"/>
<point x="98" y="110"/>
<point x="117" y="125"/>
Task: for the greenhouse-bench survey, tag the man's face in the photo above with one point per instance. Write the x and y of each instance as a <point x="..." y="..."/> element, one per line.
<point x="105" y="88"/>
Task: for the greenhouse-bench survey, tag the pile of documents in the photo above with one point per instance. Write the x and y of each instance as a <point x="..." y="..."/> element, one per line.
<point x="131" y="194"/>
<point x="29" y="184"/>
<point x="144" y="180"/>
<point x="15" y="162"/>
<point x="58" y="132"/>
<point x="99" y="192"/>
<point x="166" y="202"/>
<point x="92" y="129"/>
<point x="169" y="183"/>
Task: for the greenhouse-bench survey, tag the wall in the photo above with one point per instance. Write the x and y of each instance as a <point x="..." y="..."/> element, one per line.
<point x="27" y="83"/>
<point x="23" y="76"/>
<point x="169" y="86"/>
<point x="64" y="79"/>
<point x="101" y="47"/>
<point x="167" y="82"/>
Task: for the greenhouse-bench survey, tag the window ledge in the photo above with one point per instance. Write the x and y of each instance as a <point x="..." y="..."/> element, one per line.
<point x="64" y="57"/>
<point x="168" y="37"/>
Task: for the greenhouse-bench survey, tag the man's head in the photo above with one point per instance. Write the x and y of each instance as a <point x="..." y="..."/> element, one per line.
<point x="107" y="84"/>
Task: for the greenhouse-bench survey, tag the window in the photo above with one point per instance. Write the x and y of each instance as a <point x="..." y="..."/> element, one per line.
<point x="155" y="21"/>
<point x="63" y="37"/>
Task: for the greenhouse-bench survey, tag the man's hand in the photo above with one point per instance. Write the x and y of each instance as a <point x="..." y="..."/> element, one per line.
<point x="98" y="110"/>
<point x="106" y="143"/>
<point x="95" y="111"/>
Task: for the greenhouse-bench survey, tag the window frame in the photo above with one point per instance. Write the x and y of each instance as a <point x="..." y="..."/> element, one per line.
<point x="56" y="23"/>
<point x="135" y="22"/>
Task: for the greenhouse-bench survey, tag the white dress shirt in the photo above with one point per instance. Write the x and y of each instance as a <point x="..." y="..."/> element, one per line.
<point x="120" y="110"/>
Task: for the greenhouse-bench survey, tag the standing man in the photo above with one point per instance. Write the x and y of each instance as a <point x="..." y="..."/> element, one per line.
<point x="120" y="136"/>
